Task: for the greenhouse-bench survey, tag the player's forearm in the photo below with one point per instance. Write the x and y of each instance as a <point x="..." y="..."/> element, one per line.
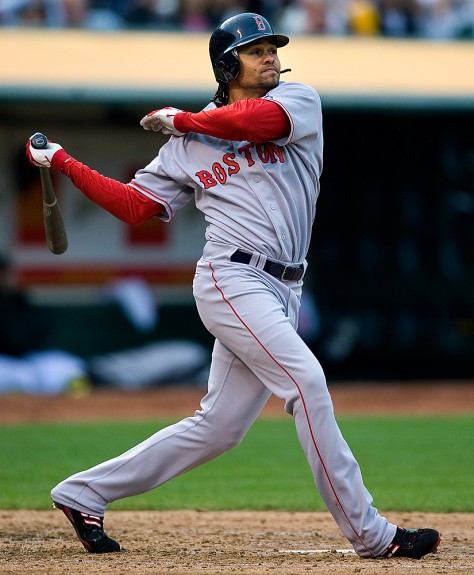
<point x="121" y="200"/>
<point x="256" y="120"/>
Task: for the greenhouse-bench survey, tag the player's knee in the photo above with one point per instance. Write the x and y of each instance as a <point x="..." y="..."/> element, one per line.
<point x="311" y="389"/>
<point x="227" y="439"/>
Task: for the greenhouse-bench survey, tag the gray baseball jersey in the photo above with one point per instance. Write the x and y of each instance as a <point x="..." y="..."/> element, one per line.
<point x="258" y="197"/>
<point x="259" y="200"/>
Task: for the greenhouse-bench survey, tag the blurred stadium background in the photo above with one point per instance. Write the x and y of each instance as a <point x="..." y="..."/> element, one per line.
<point x="390" y="288"/>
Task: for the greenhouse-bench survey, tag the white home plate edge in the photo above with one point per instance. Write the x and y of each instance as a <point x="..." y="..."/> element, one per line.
<point x="317" y="551"/>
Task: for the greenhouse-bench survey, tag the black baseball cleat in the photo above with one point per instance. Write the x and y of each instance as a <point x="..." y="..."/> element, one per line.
<point x="90" y="530"/>
<point x="414" y="543"/>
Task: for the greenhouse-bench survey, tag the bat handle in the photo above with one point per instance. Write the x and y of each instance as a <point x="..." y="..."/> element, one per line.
<point x="39" y="141"/>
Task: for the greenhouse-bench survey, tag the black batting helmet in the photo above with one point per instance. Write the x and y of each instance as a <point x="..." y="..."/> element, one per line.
<point x="237" y="31"/>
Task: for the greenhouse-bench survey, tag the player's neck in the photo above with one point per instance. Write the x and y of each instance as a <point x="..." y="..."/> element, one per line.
<point x="239" y="93"/>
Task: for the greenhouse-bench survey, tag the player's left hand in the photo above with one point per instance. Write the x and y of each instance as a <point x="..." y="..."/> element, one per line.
<point x="41" y="158"/>
<point x="163" y="120"/>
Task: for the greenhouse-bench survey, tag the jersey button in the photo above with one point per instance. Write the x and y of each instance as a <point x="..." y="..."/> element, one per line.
<point x="256" y="179"/>
<point x="283" y="237"/>
<point x="273" y="207"/>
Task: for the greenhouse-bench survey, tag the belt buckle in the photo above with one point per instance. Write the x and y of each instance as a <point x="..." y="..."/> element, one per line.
<point x="295" y="273"/>
<point x="283" y="277"/>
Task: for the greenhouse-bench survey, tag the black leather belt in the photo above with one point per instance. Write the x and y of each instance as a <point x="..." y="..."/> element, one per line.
<point x="277" y="270"/>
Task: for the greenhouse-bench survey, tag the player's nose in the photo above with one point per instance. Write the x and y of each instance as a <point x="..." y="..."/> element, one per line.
<point x="269" y="61"/>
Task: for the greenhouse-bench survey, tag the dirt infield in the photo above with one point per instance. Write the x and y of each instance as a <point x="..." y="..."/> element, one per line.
<point x="410" y="397"/>
<point x="219" y="543"/>
<point x="224" y="543"/>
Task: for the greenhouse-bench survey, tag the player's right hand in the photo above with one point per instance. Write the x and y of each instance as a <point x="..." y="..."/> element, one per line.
<point x="162" y="120"/>
<point x="41" y="158"/>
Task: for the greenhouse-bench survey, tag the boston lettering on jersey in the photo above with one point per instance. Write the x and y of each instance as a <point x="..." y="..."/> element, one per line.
<point x="220" y="171"/>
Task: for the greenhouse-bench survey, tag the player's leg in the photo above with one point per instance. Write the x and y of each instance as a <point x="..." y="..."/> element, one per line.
<point x="235" y="397"/>
<point x="256" y="319"/>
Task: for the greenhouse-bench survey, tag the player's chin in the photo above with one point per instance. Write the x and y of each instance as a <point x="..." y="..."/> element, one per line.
<point x="271" y="81"/>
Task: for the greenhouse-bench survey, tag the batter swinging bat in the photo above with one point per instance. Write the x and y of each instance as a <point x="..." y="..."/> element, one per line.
<point x="56" y="238"/>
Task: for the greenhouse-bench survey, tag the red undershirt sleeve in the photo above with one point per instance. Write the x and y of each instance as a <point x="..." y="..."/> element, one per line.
<point x="121" y="200"/>
<point x="257" y="120"/>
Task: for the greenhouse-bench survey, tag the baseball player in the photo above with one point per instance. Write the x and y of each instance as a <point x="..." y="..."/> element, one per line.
<point x="251" y="161"/>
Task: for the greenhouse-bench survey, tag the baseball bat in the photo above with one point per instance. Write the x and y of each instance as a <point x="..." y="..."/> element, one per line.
<point x="56" y="238"/>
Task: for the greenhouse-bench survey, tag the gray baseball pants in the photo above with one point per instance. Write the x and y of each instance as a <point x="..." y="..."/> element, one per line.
<point x="257" y="352"/>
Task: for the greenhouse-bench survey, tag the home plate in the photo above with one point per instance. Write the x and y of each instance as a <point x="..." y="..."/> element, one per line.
<point x="317" y="551"/>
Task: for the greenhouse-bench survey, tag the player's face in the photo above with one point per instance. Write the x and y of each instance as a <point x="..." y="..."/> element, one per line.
<point x="259" y="67"/>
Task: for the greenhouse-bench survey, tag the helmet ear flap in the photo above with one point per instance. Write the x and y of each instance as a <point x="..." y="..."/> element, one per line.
<point x="228" y="67"/>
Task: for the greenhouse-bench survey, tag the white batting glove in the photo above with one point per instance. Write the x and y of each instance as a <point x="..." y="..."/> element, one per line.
<point x="42" y="158"/>
<point x="162" y="120"/>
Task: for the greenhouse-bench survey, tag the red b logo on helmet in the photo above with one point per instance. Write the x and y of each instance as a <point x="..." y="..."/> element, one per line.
<point x="260" y="23"/>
